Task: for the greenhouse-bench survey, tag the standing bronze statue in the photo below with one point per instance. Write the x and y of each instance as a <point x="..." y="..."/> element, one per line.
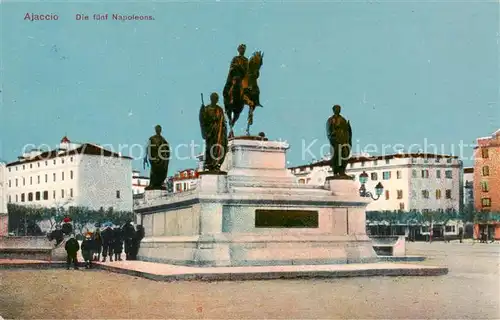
<point x="214" y="132"/>
<point x="241" y="87"/>
<point x="339" y="134"/>
<point x="158" y="157"/>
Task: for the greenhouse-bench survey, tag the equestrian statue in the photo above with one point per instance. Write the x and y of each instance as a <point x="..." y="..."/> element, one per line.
<point x="241" y="87"/>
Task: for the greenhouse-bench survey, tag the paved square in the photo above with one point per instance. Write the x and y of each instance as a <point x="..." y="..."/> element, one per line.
<point x="469" y="291"/>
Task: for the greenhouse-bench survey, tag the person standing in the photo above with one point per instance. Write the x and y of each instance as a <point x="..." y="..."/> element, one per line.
<point x="72" y="247"/>
<point x="117" y="243"/>
<point x="128" y="235"/>
<point x="97" y="244"/>
<point x="88" y="247"/>
<point x="107" y="244"/>
<point x="136" y="243"/>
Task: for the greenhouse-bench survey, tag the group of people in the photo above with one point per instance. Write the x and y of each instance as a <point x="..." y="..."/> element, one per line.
<point x="108" y="242"/>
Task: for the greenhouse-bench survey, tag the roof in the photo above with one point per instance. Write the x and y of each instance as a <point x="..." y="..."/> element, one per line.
<point x="469" y="170"/>
<point x="322" y="163"/>
<point x="86" y="149"/>
<point x="65" y="140"/>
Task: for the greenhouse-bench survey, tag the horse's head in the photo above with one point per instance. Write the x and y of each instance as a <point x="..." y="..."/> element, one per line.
<point x="255" y="61"/>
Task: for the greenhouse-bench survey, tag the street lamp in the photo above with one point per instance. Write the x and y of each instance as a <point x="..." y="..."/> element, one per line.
<point x="379" y="188"/>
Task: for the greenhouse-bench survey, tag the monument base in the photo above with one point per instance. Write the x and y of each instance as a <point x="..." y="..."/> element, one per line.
<point x="256" y="215"/>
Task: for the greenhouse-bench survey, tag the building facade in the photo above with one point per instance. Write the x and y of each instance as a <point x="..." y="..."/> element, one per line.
<point x="139" y="182"/>
<point x="468" y="188"/>
<point x="74" y="174"/>
<point x="487" y="182"/>
<point x="185" y="180"/>
<point x="487" y="173"/>
<point x="421" y="182"/>
<point x="3" y="201"/>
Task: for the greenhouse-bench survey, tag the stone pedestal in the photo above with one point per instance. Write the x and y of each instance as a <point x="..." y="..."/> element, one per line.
<point x="152" y="196"/>
<point x="257" y="215"/>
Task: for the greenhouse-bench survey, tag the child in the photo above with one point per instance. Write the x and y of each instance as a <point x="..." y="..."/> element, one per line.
<point x="88" y="250"/>
<point x="72" y="247"/>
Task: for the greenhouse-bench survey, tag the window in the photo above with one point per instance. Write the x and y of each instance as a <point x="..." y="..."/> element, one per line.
<point x="24" y="181"/>
<point x="375" y="162"/>
<point x="38" y="179"/>
<point x="399" y="175"/>
<point x="22" y="197"/>
<point x="425" y="194"/>
<point x="448" y="160"/>
<point x="117" y="194"/>
<point x="486" y="171"/>
<point x="301" y="181"/>
<point x="37" y="196"/>
<point x="71" y="193"/>
<point x="448" y="174"/>
<point x="386" y="194"/>
<point x="414" y="173"/>
<point x="71" y="174"/>
<point x="413" y="160"/>
<point x="24" y="167"/>
<point x="9" y="169"/>
<point x="71" y="159"/>
<point x="386" y="175"/>
<point x="401" y="206"/>
<point x="413" y="194"/>
<point x="16" y="182"/>
<point x="387" y="161"/>
<point x="62" y="176"/>
<point x="45" y="195"/>
<point x="31" y="166"/>
<point x="31" y="180"/>
<point x="10" y="184"/>
<point x="54" y="194"/>
<point x="425" y="174"/>
<point x="438" y="174"/>
<point x="484" y="186"/>
<point x="362" y="163"/>
<point x="448" y="194"/>
<point x="374" y="176"/>
<point x="38" y="163"/>
<point x="46" y="178"/>
<point x="438" y="194"/>
<point x="17" y="198"/>
<point x="46" y="163"/>
<point x="62" y="161"/>
<point x="484" y="153"/>
<point x="449" y="229"/>
<point x="10" y="200"/>
<point x="30" y="196"/>
<point x="54" y="174"/>
<point x="400" y="194"/>
<point x="54" y="161"/>
<point x="486" y="202"/>
<point x="425" y="210"/>
<point x="62" y="193"/>
<point x="438" y="160"/>
<point x="426" y="160"/>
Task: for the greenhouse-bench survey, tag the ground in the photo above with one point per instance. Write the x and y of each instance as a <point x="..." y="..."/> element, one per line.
<point x="469" y="291"/>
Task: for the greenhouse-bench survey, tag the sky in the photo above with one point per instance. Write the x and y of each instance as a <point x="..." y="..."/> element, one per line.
<point x="406" y="73"/>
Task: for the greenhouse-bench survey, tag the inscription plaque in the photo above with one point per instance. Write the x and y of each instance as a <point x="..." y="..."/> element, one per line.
<point x="286" y="218"/>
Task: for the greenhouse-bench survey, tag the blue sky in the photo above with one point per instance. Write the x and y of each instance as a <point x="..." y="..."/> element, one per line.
<point x="405" y="72"/>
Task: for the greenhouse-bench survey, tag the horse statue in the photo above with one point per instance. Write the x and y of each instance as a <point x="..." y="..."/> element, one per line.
<point x="244" y="92"/>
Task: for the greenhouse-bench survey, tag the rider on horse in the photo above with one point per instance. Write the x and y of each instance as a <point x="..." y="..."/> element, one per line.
<point x="237" y="71"/>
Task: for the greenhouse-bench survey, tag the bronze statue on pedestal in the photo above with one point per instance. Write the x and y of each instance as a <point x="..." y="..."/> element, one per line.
<point x="241" y="87"/>
<point x="158" y="157"/>
<point x="339" y="133"/>
<point x="214" y="132"/>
